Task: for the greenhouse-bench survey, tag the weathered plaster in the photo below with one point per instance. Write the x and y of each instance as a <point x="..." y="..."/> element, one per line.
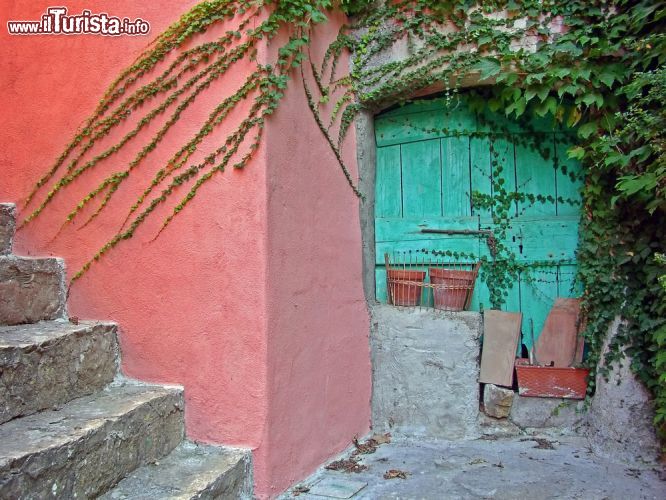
<point x="425" y="372"/>
<point x="191" y="306"/>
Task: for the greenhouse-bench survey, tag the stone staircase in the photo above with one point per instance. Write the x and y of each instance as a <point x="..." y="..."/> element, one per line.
<point x="70" y="425"/>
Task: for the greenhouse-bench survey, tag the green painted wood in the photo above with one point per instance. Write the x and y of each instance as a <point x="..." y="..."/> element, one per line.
<point x="404" y="250"/>
<point x="441" y="163"/>
<point x="388" y="197"/>
<point x="393" y="228"/>
<point x="408" y="128"/>
<point x="503" y="165"/>
<point x="569" y="183"/>
<point x="567" y="284"/>
<point x="455" y="176"/>
<point x="535" y="174"/>
<point x="481" y="298"/>
<point x="404" y="235"/>
<point x="420" y="122"/>
<point x="538" y="291"/>
<point x="480" y="170"/>
<point x="421" y="179"/>
<point x="543" y="238"/>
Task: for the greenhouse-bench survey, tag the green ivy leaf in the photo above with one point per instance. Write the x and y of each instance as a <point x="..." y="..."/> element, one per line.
<point x="488" y="67"/>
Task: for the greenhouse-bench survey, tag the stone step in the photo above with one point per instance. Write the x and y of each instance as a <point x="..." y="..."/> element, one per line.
<point x="7" y="227"/>
<point x="47" y="364"/>
<point x="190" y="471"/>
<point x="31" y="290"/>
<point x="90" y="444"/>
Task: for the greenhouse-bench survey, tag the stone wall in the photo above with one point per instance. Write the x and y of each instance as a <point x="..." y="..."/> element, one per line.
<point x="425" y="372"/>
<point x="619" y="421"/>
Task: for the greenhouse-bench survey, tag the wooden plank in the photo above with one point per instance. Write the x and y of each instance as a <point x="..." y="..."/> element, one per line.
<point x="535" y="174"/>
<point x="481" y="296"/>
<point x="388" y="183"/>
<point x="421" y="179"/>
<point x="466" y="246"/>
<point x="559" y="343"/>
<point x="567" y="284"/>
<point x="480" y="171"/>
<point x="455" y="177"/>
<point x="568" y="177"/>
<point x="502" y="161"/>
<point x="408" y="128"/>
<point x="393" y="228"/>
<point x="501" y="331"/>
<point x="542" y="238"/>
<point x="416" y="106"/>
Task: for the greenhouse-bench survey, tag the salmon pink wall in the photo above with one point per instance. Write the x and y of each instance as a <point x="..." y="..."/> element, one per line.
<point x="190" y="305"/>
<point x="252" y="298"/>
<point x="319" y="377"/>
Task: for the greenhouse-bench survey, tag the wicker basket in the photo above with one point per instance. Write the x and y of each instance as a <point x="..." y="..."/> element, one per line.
<point x="450" y="288"/>
<point x="405" y="286"/>
<point x="551" y="382"/>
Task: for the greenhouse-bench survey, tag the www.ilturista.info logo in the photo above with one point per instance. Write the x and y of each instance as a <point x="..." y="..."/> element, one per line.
<point x="56" y="22"/>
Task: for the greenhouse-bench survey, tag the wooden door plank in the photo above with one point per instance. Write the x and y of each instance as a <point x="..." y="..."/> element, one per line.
<point x="480" y="171"/>
<point x="568" y="177"/>
<point x="465" y="246"/>
<point x="421" y="179"/>
<point x="567" y="284"/>
<point x="543" y="238"/>
<point x="535" y="174"/>
<point x="502" y="160"/>
<point x="388" y="197"/>
<point x="404" y="129"/>
<point x="481" y="298"/>
<point x="393" y="228"/>
<point x="538" y="290"/>
<point x="501" y="331"/>
<point x="455" y="177"/>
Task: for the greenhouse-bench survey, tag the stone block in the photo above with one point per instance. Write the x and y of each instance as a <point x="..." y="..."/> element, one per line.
<point x="497" y="401"/>
<point x="425" y="372"/>
<point x="191" y="471"/>
<point x="546" y="413"/>
<point x="47" y="364"/>
<point x="7" y="227"/>
<point x="90" y="444"/>
<point x="31" y="290"/>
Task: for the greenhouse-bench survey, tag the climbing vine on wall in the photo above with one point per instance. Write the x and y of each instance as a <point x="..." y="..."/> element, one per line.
<point x="596" y="65"/>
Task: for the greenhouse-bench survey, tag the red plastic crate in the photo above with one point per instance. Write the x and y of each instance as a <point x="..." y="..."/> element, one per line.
<point x="551" y="382"/>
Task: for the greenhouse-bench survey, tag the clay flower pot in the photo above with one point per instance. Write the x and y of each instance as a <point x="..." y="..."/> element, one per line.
<point x="457" y="288"/>
<point x="405" y="286"/>
<point x="550" y="381"/>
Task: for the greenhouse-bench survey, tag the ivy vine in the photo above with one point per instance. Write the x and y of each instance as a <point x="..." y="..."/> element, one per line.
<point x="596" y="66"/>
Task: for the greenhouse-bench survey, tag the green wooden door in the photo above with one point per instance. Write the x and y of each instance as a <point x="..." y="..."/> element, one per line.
<point x="431" y="158"/>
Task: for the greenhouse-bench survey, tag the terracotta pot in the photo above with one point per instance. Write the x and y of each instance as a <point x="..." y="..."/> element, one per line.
<point x="551" y="382"/>
<point x="458" y="287"/>
<point x="405" y="286"/>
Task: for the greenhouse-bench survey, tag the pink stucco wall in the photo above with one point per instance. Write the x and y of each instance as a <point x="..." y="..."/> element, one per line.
<point x="318" y="349"/>
<point x="251" y="299"/>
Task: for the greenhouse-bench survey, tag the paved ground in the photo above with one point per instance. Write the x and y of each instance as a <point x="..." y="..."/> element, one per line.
<point x="510" y="468"/>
